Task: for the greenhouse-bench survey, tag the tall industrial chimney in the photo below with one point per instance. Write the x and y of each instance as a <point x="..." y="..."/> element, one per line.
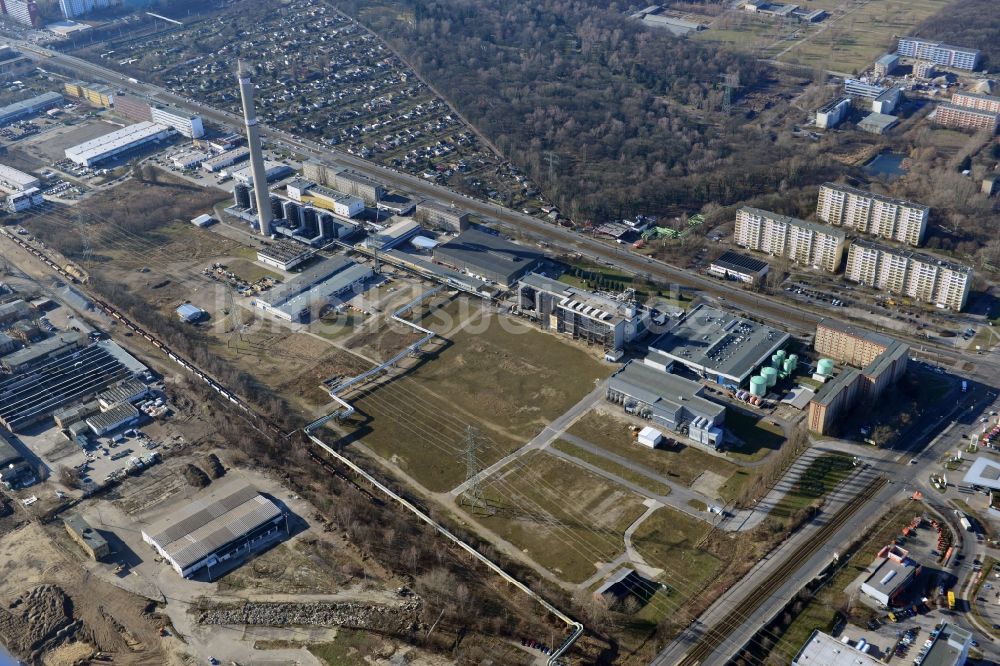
<point x="264" y="215"/>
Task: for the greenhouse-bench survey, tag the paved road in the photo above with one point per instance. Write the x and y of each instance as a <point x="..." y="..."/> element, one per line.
<point x="904" y="479"/>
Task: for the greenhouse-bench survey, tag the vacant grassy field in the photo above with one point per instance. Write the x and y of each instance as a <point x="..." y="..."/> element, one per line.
<point x="251" y="271"/>
<point x="822" y="476"/>
<point x="849" y="40"/>
<point x="565" y="518"/>
<point x="506" y="379"/>
<point x="681" y="464"/>
<point x="613" y="467"/>
<point x="668" y="539"/>
<point x="758" y="435"/>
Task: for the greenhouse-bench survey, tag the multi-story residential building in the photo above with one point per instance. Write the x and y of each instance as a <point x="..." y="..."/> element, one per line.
<point x="73" y="8"/>
<point x="915" y="275"/>
<point x="951" y="115"/>
<point x="895" y="219"/>
<point x="24" y="12"/>
<point x="881" y="359"/>
<point x="937" y="53"/>
<point x="805" y="243"/>
<point x="923" y="69"/>
<point x="978" y="101"/>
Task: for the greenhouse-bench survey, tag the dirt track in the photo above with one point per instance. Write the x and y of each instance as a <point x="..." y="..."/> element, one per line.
<point x="48" y="600"/>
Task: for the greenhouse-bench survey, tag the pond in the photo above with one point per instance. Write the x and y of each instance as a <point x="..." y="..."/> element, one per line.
<point x="886" y="165"/>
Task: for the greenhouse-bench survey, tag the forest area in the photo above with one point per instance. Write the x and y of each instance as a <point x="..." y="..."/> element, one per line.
<point x="611" y="118"/>
<point x="974" y="24"/>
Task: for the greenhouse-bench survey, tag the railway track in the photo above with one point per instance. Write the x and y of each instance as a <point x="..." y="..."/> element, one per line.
<point x="721" y="631"/>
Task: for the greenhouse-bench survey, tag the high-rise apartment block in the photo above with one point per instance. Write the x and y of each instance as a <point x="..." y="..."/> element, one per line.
<point x="952" y="115"/>
<point x="915" y="275"/>
<point x="939" y="54"/>
<point x="978" y="101"/>
<point x="802" y="242"/>
<point x="868" y="213"/>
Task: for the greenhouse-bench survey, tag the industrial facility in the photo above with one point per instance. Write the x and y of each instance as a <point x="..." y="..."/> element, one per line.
<point x="669" y="401"/>
<point x="34" y="395"/>
<point x="488" y="257"/>
<point x="284" y="254"/>
<point x="735" y="266"/>
<point x="306" y="294"/>
<point x="115" y="143"/>
<point x="716" y="345"/>
<point x="308" y="192"/>
<point x="393" y="235"/>
<point x="890" y="575"/>
<point x="824" y="650"/>
<point x="217" y="530"/>
<point x="439" y="216"/>
<point x="580" y="314"/>
<point x="13" y="180"/>
<point x="29" y="107"/>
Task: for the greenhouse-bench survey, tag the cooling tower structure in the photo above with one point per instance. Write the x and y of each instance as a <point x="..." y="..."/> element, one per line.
<point x="264" y="214"/>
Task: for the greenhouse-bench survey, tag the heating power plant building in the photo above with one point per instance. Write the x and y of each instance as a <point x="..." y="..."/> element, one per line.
<point x="306" y="294"/>
<point x="668" y="401"/>
<point x="217" y="530"/>
<point x="488" y="257"/>
<point x="716" y="345"/>
<point x="875" y="214"/>
<point x="581" y="314"/>
<point x="804" y="243"/>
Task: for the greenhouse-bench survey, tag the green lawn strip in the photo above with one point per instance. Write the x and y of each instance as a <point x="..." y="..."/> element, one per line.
<point x="349" y="648"/>
<point x="612" y="467"/>
<point x="567" y="519"/>
<point x="822" y="476"/>
<point x="757" y="436"/>
<point x="679" y="463"/>
<point x="669" y="539"/>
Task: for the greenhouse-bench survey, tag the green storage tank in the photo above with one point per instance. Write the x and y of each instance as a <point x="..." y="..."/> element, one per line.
<point x="758" y="386"/>
<point x="770" y="375"/>
<point x="825" y="367"/>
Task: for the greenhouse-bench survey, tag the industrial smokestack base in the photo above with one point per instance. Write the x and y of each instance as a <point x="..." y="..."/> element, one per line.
<point x="257" y="170"/>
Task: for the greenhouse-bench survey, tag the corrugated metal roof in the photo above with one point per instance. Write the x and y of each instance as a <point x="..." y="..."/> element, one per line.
<point x="209" y="523"/>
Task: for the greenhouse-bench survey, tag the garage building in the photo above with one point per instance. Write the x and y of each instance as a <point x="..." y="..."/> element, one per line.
<point x="222" y="526"/>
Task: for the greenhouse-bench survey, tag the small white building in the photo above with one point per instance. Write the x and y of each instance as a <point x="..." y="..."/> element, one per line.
<point x="650" y="437"/>
<point x="203" y="220"/>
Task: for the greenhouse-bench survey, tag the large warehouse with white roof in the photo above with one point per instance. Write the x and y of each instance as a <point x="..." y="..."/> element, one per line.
<point x="105" y="147"/>
<point x="225" y="524"/>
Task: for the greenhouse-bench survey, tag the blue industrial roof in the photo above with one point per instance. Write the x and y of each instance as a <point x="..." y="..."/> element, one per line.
<point x="188" y="311"/>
